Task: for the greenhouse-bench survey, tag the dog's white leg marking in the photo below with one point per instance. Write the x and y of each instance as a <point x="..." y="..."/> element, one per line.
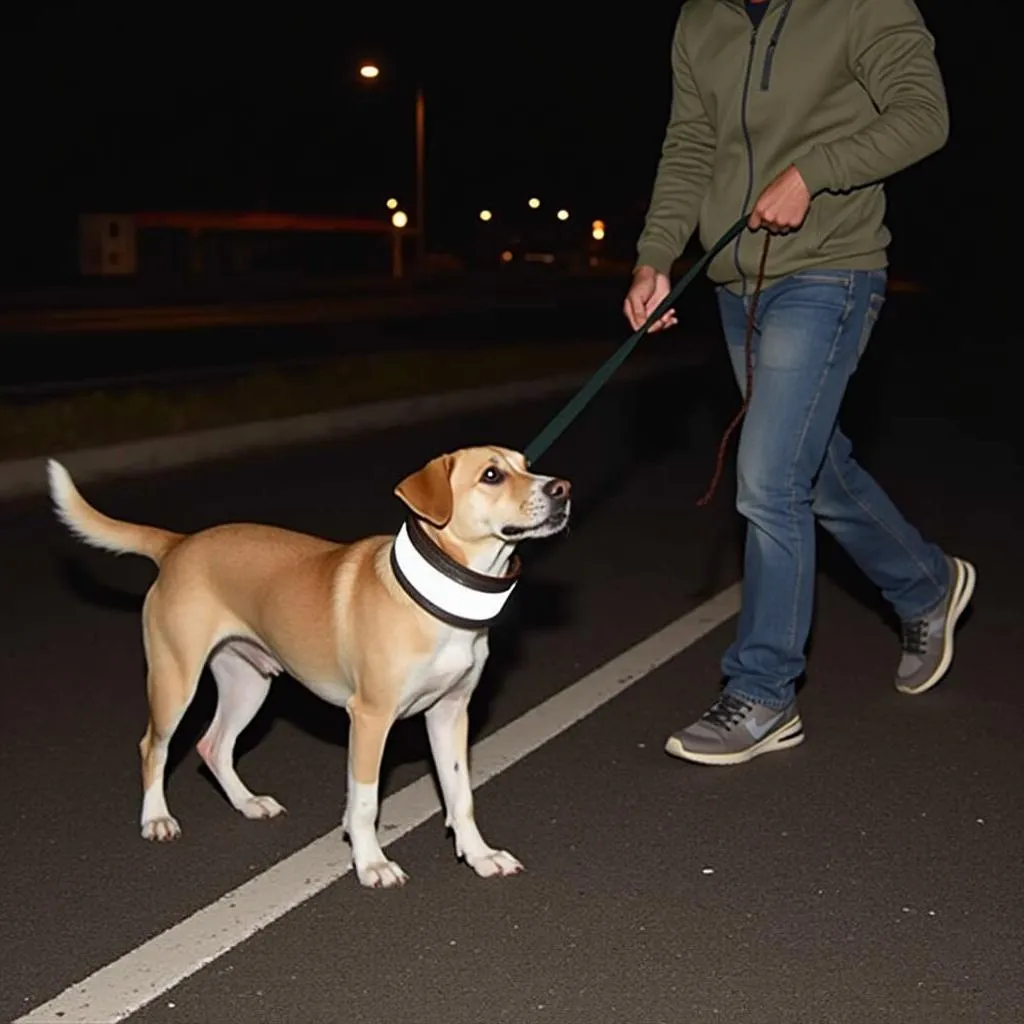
<point x="157" y="822"/>
<point x="367" y="734"/>
<point x="372" y="866"/>
<point x="241" y="691"/>
<point x="448" y="730"/>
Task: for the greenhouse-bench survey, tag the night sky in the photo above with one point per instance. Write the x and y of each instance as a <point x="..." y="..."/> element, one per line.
<point x="110" y="107"/>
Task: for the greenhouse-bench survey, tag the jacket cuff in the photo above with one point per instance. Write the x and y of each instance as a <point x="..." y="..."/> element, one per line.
<point x="654" y="256"/>
<point x="814" y="169"/>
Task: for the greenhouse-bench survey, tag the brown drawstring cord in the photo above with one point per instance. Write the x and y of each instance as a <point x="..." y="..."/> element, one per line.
<point x="748" y="347"/>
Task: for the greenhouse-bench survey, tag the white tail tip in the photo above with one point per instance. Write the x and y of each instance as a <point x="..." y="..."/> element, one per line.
<point x="62" y="487"/>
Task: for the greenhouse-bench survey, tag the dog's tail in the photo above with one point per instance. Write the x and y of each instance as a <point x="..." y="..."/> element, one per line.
<point x="99" y="530"/>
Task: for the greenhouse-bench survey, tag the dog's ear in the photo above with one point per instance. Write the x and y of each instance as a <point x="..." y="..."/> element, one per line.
<point x="428" y="491"/>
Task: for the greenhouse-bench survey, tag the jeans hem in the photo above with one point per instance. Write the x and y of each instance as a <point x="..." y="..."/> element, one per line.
<point x="772" y="703"/>
<point x="944" y="593"/>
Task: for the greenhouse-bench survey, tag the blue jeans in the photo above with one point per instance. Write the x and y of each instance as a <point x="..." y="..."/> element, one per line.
<point x="796" y="466"/>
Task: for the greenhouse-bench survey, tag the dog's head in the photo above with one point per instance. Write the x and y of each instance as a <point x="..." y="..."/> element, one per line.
<point x="482" y="494"/>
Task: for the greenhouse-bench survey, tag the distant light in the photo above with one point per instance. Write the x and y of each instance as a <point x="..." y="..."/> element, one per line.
<point x="534" y="203"/>
<point x="506" y="257"/>
<point x="392" y="204"/>
<point x="369" y="71"/>
<point x="597" y="230"/>
<point x="562" y="215"/>
<point x="485" y="214"/>
<point x="399" y="219"/>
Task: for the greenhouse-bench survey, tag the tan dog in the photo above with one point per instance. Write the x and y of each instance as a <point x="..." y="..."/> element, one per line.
<point x="385" y="627"/>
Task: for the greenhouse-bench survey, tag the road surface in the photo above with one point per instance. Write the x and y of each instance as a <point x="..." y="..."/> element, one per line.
<point x="871" y="874"/>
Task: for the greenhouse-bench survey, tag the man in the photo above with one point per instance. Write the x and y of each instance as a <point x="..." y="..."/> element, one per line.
<point x="805" y="106"/>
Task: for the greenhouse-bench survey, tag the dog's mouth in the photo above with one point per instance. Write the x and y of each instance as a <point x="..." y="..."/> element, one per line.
<point x="556" y="521"/>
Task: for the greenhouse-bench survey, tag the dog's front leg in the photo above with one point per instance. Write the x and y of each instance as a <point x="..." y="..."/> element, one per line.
<point x="448" y="729"/>
<point x="368" y="731"/>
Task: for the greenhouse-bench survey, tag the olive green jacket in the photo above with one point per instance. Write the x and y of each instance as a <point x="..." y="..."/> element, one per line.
<point x="848" y="91"/>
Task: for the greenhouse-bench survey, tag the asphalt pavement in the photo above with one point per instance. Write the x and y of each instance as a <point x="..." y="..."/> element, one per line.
<point x="872" y="874"/>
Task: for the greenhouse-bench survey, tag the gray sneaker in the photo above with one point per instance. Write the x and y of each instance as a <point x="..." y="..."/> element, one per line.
<point x="928" y="641"/>
<point x="734" y="731"/>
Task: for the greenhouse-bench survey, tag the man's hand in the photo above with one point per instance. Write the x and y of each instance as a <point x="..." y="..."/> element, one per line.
<point x="783" y="204"/>
<point x="648" y="289"/>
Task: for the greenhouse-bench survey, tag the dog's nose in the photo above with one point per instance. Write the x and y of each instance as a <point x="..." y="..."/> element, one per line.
<point x="557" y="489"/>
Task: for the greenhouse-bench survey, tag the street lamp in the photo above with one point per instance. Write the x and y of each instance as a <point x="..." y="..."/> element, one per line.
<point x="562" y="215"/>
<point x="533" y="203"/>
<point x="597" y="230"/>
<point x="399" y="218"/>
<point x="371" y="71"/>
<point x="392" y="204"/>
<point x="485" y="215"/>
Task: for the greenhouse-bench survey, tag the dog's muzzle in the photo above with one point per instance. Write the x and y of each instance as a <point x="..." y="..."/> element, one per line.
<point x="556" y="501"/>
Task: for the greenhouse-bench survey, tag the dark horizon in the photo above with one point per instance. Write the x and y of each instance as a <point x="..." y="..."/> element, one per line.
<point x="117" y="113"/>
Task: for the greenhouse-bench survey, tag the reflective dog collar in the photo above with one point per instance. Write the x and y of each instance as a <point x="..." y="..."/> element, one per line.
<point x="450" y="592"/>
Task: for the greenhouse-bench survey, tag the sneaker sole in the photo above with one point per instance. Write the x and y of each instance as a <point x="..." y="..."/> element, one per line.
<point x="789" y="735"/>
<point x="967" y="577"/>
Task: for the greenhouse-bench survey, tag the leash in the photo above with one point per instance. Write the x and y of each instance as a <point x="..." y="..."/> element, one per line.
<point x="748" y="355"/>
<point x="564" y="418"/>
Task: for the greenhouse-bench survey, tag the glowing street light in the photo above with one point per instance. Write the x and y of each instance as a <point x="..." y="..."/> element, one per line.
<point x="399" y="218"/>
<point x="392" y="204"/>
<point x="534" y="203"/>
<point x="369" y="70"/>
<point x="562" y="215"/>
<point x="597" y="230"/>
<point x="485" y="215"/>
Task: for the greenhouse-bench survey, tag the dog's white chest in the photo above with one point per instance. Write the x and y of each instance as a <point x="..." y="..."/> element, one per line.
<point x="458" y="657"/>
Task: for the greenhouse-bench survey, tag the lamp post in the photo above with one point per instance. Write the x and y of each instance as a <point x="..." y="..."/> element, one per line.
<point x="421" y="158"/>
<point x="370" y="72"/>
<point x="398" y="222"/>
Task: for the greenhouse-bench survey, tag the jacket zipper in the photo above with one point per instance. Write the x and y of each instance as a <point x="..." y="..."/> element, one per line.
<point x="750" y="154"/>
<point x="769" y="57"/>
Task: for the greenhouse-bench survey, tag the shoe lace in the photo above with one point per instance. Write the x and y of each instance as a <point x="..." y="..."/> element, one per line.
<point x="915" y="637"/>
<point x="727" y="711"/>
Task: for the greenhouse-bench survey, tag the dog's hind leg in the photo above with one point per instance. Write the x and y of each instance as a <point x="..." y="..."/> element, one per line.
<point x="241" y="690"/>
<point x="172" y="679"/>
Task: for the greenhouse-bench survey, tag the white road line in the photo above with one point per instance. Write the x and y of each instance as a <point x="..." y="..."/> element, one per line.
<point x="126" y="985"/>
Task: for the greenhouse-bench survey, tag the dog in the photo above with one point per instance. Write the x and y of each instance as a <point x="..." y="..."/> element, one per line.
<point x="386" y="627"/>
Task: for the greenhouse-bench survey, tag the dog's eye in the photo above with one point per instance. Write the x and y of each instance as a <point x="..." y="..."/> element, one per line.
<point x="492" y="475"/>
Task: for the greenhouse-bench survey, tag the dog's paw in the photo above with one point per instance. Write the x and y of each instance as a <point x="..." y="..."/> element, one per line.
<point x="160" y="830"/>
<point x="382" y="874"/>
<point x="261" y="807"/>
<point x="496" y="864"/>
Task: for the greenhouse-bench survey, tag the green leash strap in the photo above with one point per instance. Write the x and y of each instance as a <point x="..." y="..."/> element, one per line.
<point x="604" y="373"/>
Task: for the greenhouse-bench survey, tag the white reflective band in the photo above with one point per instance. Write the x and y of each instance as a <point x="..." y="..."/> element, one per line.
<point x="444" y="593"/>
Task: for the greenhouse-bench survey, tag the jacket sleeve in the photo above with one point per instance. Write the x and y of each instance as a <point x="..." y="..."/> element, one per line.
<point x="893" y="56"/>
<point x="684" y="169"/>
